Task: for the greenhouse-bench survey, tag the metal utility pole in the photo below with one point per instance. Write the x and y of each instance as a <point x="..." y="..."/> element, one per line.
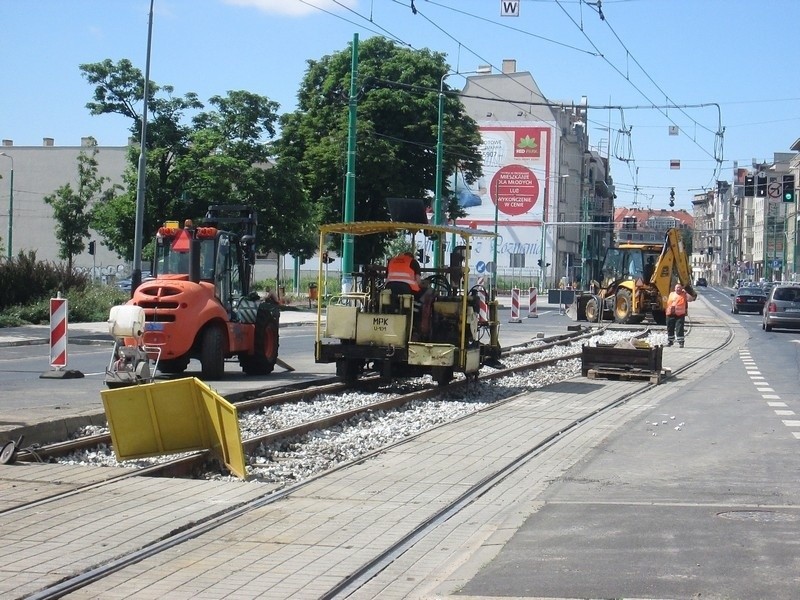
<point x="350" y="182"/>
<point x="136" y="276"/>
<point x="10" y="205"/>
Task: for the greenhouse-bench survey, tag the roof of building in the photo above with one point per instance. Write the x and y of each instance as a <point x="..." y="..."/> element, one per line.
<point x="645" y="215"/>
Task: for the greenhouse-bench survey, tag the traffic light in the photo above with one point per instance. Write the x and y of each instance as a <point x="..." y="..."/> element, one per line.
<point x="421" y="258"/>
<point x="539" y="262"/>
<point x="788" y="188"/>
<point x="325" y="258"/>
<point x="672" y="197"/>
<point x="749" y="186"/>
<point x="761" y="185"/>
<point x="91" y="247"/>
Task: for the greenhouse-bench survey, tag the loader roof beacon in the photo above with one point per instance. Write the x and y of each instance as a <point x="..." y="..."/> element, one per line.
<point x="636" y="281"/>
<point x="199" y="304"/>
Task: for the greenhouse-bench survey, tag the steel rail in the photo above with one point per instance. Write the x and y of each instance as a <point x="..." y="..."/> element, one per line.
<point x="354" y="581"/>
<point x="367" y="571"/>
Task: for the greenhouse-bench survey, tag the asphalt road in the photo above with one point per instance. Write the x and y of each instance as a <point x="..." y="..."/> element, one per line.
<point x="698" y="499"/>
<point x="28" y="398"/>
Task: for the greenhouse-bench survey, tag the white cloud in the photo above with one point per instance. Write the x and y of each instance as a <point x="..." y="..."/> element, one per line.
<point x="294" y="8"/>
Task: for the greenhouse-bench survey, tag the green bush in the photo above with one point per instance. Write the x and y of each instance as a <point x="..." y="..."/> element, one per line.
<point x="24" y="280"/>
<point x="27" y="285"/>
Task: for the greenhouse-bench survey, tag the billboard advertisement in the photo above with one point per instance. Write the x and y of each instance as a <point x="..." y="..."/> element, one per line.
<point x="518" y="162"/>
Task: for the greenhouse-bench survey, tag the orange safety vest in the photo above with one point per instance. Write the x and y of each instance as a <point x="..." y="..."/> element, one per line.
<point x="399" y="269"/>
<point x="677" y="305"/>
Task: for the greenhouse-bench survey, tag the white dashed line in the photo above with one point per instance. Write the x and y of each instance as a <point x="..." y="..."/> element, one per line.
<point x="781" y="409"/>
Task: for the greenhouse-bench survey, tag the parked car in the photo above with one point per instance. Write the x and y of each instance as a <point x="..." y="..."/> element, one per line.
<point x="782" y="310"/>
<point x="125" y="284"/>
<point x="701" y="282"/>
<point x="748" y="299"/>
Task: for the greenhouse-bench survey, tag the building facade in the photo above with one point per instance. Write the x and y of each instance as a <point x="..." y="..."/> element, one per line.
<point x="38" y="171"/>
<point x="545" y="191"/>
<point x="747" y="230"/>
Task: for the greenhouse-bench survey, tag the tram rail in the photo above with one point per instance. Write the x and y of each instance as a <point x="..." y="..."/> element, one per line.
<point x="384" y="558"/>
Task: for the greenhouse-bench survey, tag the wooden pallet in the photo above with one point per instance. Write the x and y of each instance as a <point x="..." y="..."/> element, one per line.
<point x="628" y="374"/>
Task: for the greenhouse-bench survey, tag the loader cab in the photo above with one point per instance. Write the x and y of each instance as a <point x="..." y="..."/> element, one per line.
<point x="629" y="264"/>
<point x="204" y="255"/>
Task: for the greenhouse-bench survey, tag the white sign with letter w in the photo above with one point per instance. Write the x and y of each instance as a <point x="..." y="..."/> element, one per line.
<point x="509" y="8"/>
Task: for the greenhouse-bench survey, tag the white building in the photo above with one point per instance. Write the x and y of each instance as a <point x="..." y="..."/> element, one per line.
<point x="38" y="172"/>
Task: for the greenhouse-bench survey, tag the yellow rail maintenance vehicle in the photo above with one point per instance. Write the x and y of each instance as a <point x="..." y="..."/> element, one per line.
<point x="374" y="328"/>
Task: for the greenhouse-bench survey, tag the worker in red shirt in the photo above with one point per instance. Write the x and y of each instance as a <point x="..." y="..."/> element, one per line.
<point x="677" y="309"/>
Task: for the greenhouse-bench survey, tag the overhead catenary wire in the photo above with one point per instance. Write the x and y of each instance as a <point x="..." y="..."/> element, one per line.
<point x="715" y="153"/>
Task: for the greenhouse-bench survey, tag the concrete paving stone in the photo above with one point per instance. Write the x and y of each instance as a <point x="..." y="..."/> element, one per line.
<point x="299" y="547"/>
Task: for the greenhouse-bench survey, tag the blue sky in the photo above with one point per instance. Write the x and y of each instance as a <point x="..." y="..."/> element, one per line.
<point x="728" y="63"/>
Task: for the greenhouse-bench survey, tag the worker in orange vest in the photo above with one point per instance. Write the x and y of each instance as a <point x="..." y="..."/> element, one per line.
<point x="403" y="276"/>
<point x="677" y="309"/>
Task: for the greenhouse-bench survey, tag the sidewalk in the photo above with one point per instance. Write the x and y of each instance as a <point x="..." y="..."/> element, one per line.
<point x="98" y="332"/>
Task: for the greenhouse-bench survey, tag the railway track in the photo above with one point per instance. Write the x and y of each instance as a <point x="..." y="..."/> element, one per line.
<point x="258" y="400"/>
<point x="381" y="560"/>
<point x="196" y="463"/>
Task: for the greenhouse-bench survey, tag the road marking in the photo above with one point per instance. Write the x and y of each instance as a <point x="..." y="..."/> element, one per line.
<point x="762" y="386"/>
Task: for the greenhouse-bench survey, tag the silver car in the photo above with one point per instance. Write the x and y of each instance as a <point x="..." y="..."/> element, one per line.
<point x="782" y="310"/>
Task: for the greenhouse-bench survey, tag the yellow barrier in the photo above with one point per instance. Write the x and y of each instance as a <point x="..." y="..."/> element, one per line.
<point x="167" y="417"/>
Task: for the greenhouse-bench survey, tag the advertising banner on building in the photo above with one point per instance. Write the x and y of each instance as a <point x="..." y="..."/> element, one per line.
<point x="513" y="192"/>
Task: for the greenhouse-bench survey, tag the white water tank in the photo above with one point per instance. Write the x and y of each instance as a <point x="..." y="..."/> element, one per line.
<point x="126" y="320"/>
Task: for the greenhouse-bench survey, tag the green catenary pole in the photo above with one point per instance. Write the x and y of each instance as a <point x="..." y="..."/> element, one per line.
<point x="350" y="182"/>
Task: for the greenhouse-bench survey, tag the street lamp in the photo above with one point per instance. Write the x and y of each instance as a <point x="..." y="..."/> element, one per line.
<point x="10" y="204"/>
<point x="437" y="198"/>
<point x="560" y="181"/>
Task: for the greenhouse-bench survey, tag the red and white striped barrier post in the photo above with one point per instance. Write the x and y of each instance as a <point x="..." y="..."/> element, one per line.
<point x="532" y="308"/>
<point x="515" y="306"/>
<point x="59" y="310"/>
<point x="483" y="303"/>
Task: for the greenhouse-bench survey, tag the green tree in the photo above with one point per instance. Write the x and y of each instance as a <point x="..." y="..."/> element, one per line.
<point x="72" y="209"/>
<point x="396" y="132"/>
<point x="119" y="89"/>
<point x="219" y="156"/>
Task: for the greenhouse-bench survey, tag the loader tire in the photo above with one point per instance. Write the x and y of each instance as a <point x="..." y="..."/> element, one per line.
<point x="173" y="365"/>
<point x="592" y="310"/>
<point x="265" y="345"/>
<point x="212" y="354"/>
<point x="623" y="307"/>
